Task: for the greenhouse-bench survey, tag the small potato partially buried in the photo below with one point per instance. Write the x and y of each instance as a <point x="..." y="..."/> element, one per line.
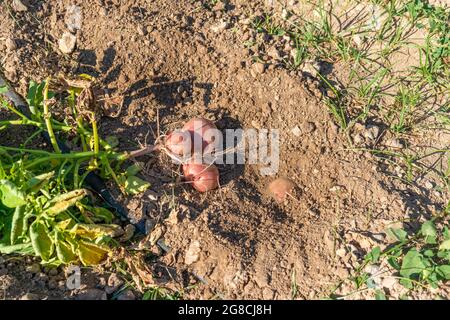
<point x="281" y="188"/>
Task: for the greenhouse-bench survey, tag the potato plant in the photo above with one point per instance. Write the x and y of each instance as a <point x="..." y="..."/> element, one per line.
<point x="46" y="209"/>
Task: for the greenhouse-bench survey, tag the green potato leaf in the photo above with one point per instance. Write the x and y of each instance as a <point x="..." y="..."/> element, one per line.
<point x="445" y="245"/>
<point x="11" y="196"/>
<point x="413" y="264"/>
<point x="398" y="234"/>
<point x="17" y="227"/>
<point x="428" y="230"/>
<point x="22" y="248"/>
<point x="133" y="170"/>
<point x="444" y="271"/>
<point x="135" y="185"/>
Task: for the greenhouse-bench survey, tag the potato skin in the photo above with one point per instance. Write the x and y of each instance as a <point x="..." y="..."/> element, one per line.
<point x="203" y="177"/>
<point x="280" y="188"/>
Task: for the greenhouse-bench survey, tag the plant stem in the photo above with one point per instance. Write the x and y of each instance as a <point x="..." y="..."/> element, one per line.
<point x="95" y="133"/>
<point x="48" y="118"/>
<point x="57" y="156"/>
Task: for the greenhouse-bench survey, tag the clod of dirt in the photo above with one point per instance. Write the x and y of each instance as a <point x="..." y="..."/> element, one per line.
<point x="73" y="18"/>
<point x="10" y="44"/>
<point x="395" y="143"/>
<point x="67" y="43"/>
<point x="18" y="6"/>
<point x="371" y="132"/>
<point x="274" y="53"/>
<point x="219" y="27"/>
<point x="192" y="253"/>
<point x="258" y="68"/>
<point x="358" y="139"/>
<point x="296" y="131"/>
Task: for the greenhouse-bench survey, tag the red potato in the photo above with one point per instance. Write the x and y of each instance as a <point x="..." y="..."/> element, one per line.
<point x="179" y="142"/>
<point x="202" y="176"/>
<point x="198" y="127"/>
<point x="281" y="188"/>
<point x="194" y="131"/>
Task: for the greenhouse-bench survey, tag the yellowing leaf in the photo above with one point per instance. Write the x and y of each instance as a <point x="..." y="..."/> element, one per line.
<point x="93" y="231"/>
<point x="65" y="224"/>
<point x="63" y="202"/>
<point x="64" y="250"/>
<point x="41" y="241"/>
<point x="91" y="253"/>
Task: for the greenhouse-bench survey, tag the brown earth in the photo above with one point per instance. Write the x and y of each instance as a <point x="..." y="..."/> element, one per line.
<point x="180" y="60"/>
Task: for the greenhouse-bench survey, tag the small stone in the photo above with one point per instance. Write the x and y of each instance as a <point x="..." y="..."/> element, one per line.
<point x="34" y="268"/>
<point x="73" y="18"/>
<point x="67" y="43"/>
<point x="371" y="132"/>
<point x="311" y="67"/>
<point x="258" y="68"/>
<point x="274" y="53"/>
<point x="30" y="296"/>
<point x="358" y="139"/>
<point x="372" y="269"/>
<point x="357" y="40"/>
<point x="428" y="185"/>
<point x="365" y="243"/>
<point x="127" y="295"/>
<point x="378" y="236"/>
<point x="219" y="27"/>
<point x="296" y="131"/>
<point x="268" y="294"/>
<point x="262" y="279"/>
<point x="255" y="124"/>
<point x="395" y="143"/>
<point x="335" y="188"/>
<point x="341" y="252"/>
<point x="10" y="44"/>
<point x="18" y="6"/>
<point x="193" y="252"/>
